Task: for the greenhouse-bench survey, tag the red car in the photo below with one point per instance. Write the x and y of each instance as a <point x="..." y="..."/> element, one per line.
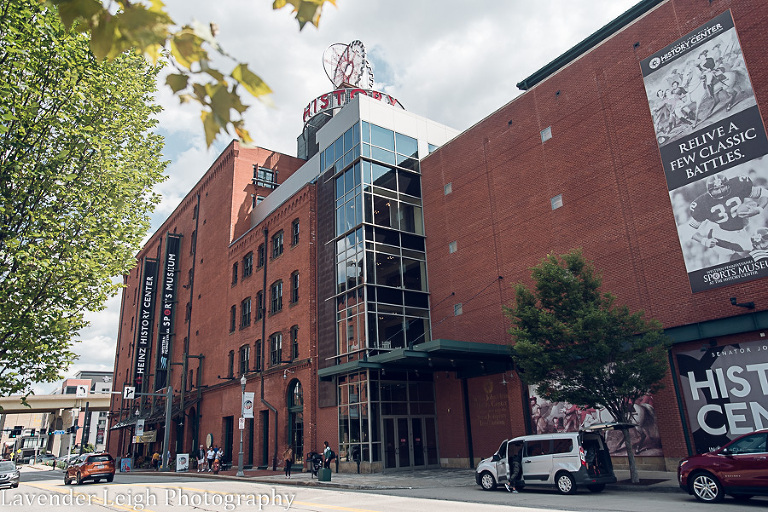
<point x="90" y="466"/>
<point x="740" y="469"/>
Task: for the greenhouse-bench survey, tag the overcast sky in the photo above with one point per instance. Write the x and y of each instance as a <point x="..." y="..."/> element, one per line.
<point x="452" y="61"/>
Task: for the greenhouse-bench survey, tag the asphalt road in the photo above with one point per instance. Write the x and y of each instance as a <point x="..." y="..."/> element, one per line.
<point x="45" y="491"/>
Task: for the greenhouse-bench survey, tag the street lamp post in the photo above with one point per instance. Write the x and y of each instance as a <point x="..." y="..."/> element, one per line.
<point x="242" y="400"/>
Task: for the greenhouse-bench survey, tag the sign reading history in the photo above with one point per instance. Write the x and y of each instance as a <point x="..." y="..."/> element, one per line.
<point x="167" y="308"/>
<point x="340" y="97"/>
<point x="146" y="320"/>
<point x="725" y="390"/>
<point x="713" y="148"/>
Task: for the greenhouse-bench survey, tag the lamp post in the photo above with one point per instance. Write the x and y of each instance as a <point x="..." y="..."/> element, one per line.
<point x="242" y="400"/>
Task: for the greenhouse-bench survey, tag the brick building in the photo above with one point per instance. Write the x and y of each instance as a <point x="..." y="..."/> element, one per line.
<point x="308" y="275"/>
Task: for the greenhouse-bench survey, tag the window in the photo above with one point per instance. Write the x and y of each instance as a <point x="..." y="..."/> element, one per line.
<point x="458" y="309"/>
<point x="295" y="287"/>
<point x="187" y="312"/>
<point x="275" y="348"/>
<point x="276" y="299"/>
<point x="263" y="177"/>
<point x="452" y="247"/>
<point x="231" y="364"/>
<point x="295" y="232"/>
<point x="277" y="245"/>
<point x="295" y="342"/>
<point x="245" y="355"/>
<point x="536" y="448"/>
<point x="260" y="254"/>
<point x="232" y="319"/>
<point x="259" y="306"/>
<point x="448" y="188"/>
<point x="193" y="243"/>
<point x="562" y="445"/>
<point x="257" y="362"/>
<point x="245" y="313"/>
<point x="234" y="273"/>
<point x="248" y="265"/>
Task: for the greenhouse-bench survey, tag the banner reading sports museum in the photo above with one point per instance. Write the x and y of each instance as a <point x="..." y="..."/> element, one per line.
<point x="713" y="147"/>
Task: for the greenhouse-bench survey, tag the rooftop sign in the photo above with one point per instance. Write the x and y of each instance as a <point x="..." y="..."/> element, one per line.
<point x="340" y="97"/>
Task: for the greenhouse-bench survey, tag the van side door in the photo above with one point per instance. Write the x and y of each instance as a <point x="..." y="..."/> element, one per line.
<point x="537" y="460"/>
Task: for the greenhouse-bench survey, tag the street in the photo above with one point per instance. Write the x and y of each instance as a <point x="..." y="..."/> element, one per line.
<point x="45" y="491"/>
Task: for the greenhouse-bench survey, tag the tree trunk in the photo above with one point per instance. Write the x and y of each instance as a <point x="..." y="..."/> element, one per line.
<point x="634" y="477"/>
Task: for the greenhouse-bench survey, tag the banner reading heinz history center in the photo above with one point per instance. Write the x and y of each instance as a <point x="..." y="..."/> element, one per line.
<point x="146" y="319"/>
<point x="167" y="309"/>
<point x="725" y="390"/>
<point x="713" y="148"/>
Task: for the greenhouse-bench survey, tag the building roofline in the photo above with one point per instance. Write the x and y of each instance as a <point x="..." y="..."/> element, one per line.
<point x="590" y="42"/>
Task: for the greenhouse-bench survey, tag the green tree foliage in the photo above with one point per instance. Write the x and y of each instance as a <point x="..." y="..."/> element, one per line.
<point x="146" y="27"/>
<point x="77" y="167"/>
<point x="577" y="345"/>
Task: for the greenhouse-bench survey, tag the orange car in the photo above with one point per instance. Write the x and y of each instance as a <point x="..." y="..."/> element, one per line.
<point x="90" y="466"/>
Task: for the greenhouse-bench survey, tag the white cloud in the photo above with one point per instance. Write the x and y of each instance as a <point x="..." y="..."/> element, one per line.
<point x="452" y="61"/>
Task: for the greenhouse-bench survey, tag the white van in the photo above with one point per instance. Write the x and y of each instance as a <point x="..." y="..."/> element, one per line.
<point x="567" y="460"/>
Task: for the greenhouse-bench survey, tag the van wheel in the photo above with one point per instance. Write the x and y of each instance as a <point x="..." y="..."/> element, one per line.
<point x="487" y="482"/>
<point x="706" y="488"/>
<point x="596" y="487"/>
<point x="565" y="484"/>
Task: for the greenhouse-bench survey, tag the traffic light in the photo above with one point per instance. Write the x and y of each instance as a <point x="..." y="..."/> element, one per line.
<point x="70" y="430"/>
<point x="16" y="431"/>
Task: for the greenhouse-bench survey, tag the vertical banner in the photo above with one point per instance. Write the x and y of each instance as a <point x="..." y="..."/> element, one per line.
<point x="167" y="308"/>
<point x="725" y="391"/>
<point x="247" y="409"/>
<point x="713" y="145"/>
<point x="146" y="320"/>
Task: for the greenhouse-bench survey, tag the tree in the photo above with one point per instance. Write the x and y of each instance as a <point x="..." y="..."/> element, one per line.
<point x="577" y="345"/>
<point x="77" y="167"/>
<point x="146" y="28"/>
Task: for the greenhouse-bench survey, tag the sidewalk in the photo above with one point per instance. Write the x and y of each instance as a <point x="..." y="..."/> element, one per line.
<point x="655" y="481"/>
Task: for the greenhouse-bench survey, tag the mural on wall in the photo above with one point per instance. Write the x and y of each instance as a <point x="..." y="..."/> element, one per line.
<point x="725" y="391"/>
<point x="713" y="144"/>
<point x="548" y="417"/>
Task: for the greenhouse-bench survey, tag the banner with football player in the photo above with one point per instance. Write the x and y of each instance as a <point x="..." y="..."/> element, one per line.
<point x="713" y="148"/>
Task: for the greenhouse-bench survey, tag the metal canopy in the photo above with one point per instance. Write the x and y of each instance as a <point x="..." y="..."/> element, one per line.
<point x="466" y="359"/>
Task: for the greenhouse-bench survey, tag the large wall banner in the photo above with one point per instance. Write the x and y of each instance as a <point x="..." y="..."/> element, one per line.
<point x="713" y="147"/>
<point x="725" y="391"/>
<point x="146" y="319"/>
<point x="167" y="308"/>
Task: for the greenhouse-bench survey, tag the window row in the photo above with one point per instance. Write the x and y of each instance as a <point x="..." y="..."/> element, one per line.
<point x="263" y="177"/>
<point x="377" y="143"/>
<point x="276" y="250"/>
<point x="275" y="355"/>
<point x="275" y="303"/>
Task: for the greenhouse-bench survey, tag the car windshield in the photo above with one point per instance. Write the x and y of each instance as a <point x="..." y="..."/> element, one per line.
<point x="7" y="466"/>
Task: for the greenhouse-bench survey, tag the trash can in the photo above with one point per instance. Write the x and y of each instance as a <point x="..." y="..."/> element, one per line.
<point x="324" y="475"/>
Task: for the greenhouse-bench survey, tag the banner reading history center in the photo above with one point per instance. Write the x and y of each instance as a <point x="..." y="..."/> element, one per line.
<point x="146" y="319"/>
<point x="167" y="308"/>
<point x="725" y="391"/>
<point x="713" y="148"/>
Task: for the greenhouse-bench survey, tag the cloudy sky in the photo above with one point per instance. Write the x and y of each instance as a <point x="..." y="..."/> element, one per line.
<point x="452" y="61"/>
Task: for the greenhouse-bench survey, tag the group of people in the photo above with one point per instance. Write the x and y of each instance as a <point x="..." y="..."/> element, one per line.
<point x="289" y="459"/>
<point x="208" y="460"/>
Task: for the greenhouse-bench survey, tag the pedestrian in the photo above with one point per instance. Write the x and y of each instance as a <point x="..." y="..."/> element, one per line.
<point x="156" y="460"/>
<point x="201" y="459"/>
<point x="288" y="458"/>
<point x="211" y="455"/>
<point x="514" y="453"/>
<point x="328" y="455"/>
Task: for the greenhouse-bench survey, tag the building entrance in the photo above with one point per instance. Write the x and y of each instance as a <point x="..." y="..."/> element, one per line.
<point x="409" y="442"/>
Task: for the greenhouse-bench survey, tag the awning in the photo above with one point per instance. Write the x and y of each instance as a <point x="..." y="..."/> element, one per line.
<point x="466" y="359"/>
<point x="157" y="414"/>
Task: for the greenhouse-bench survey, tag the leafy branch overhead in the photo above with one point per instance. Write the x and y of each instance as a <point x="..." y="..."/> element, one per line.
<point x="146" y="28"/>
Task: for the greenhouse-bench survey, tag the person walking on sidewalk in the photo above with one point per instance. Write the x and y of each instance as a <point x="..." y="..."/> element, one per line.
<point x="201" y="459"/>
<point x="288" y="458"/>
<point x="210" y="454"/>
<point x="514" y="455"/>
<point x="328" y="455"/>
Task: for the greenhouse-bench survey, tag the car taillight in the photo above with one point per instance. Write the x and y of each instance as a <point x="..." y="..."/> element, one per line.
<point x="582" y="457"/>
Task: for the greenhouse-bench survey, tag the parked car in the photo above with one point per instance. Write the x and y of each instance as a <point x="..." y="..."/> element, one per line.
<point x="9" y="474"/>
<point x="90" y="466"/>
<point x="44" y="457"/>
<point x="740" y="469"/>
<point x="567" y="460"/>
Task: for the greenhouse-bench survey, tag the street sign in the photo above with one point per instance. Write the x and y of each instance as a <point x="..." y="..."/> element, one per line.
<point x="59" y="432"/>
<point x="82" y="391"/>
<point x="242" y="423"/>
<point x="129" y="392"/>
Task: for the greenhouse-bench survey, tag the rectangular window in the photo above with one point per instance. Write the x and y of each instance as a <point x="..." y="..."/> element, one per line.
<point x="257" y="362"/>
<point x="193" y="243"/>
<point x="295" y="287"/>
<point x="234" y="274"/>
<point x="231" y="364"/>
<point x="276" y="348"/>
<point x="245" y="355"/>
<point x="245" y="313"/>
<point x="295" y="342"/>
<point x="295" y="232"/>
<point x="277" y="245"/>
<point x="248" y="264"/>
<point x="233" y="319"/>
<point x="452" y="247"/>
<point x="259" y="306"/>
<point x="276" y="299"/>
<point x="263" y="177"/>
<point x="261" y="254"/>
<point x="458" y="309"/>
